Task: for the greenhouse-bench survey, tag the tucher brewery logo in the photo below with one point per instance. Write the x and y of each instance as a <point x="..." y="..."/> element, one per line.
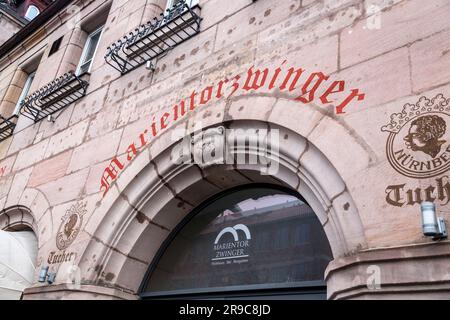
<point x="70" y="226"/>
<point x="418" y="145"/>
<point x="232" y="252"/>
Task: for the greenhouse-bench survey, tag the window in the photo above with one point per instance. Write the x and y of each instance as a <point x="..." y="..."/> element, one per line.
<point x="89" y="51"/>
<point x="244" y="240"/>
<point x="55" y="46"/>
<point x="25" y="91"/>
<point x="155" y="38"/>
<point x="32" y="12"/>
<point x="172" y="3"/>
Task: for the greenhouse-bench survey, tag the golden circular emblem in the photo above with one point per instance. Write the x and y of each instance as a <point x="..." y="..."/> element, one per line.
<point x="418" y="145"/>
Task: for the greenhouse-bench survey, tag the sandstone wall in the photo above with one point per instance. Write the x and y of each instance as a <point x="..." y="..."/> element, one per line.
<point x="394" y="52"/>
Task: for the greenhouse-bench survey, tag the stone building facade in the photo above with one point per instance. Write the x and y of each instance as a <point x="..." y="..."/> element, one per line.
<point x="10" y="22"/>
<point x="14" y="15"/>
<point x="357" y="90"/>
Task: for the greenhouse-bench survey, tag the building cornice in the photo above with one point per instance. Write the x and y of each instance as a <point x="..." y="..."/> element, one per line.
<point x="12" y="15"/>
<point x="31" y="27"/>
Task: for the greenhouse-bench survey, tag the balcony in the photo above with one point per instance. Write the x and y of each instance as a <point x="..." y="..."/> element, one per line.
<point x="155" y="38"/>
<point x="55" y="96"/>
<point x="7" y="127"/>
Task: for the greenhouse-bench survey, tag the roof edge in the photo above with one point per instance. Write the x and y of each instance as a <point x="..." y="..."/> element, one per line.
<point x="13" y="15"/>
<point x="33" y="26"/>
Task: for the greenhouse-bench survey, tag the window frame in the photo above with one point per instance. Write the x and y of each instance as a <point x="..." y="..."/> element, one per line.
<point x="86" y="48"/>
<point x="32" y="7"/>
<point x="25" y="91"/>
<point x="307" y="289"/>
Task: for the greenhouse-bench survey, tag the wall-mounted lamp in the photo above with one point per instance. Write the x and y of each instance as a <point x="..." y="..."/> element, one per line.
<point x="43" y="274"/>
<point x="150" y="66"/>
<point x="51" y="278"/>
<point x="432" y="225"/>
<point x="51" y="119"/>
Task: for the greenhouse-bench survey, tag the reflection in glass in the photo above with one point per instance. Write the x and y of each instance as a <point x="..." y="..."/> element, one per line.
<point x="24" y="93"/>
<point x="32" y="12"/>
<point x="257" y="236"/>
<point x="89" y="52"/>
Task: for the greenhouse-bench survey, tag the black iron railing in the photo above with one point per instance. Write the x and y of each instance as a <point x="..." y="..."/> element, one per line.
<point x="156" y="37"/>
<point x="7" y="127"/>
<point x="55" y="96"/>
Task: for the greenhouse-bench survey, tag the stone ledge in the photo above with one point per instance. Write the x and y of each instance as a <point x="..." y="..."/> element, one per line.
<point x="437" y="291"/>
<point x="416" y="271"/>
<point x="85" y="292"/>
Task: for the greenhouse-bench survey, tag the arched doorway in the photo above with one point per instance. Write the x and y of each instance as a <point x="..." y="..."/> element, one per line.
<point x="152" y="198"/>
<point x="259" y="241"/>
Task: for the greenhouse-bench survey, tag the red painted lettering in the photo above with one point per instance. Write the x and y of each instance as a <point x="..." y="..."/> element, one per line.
<point x="255" y="80"/>
<point x="110" y="175"/>
<point x="355" y="94"/>
<point x="331" y="90"/>
<point x="311" y="92"/>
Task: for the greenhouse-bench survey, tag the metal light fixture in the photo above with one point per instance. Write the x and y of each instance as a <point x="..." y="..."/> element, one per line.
<point x="150" y="66"/>
<point x="51" y="278"/>
<point x="43" y="274"/>
<point x="432" y="225"/>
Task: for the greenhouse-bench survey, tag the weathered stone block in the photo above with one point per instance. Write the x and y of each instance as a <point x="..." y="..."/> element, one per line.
<point x="215" y="11"/>
<point x="382" y="79"/>
<point x="404" y="23"/>
<point x="17" y="187"/>
<point x="87" y="107"/>
<point x="253" y="19"/>
<point x="48" y="129"/>
<point x="50" y="170"/>
<point x="430" y="61"/>
<point x="95" y="151"/>
<point x="23" y="139"/>
<point x="31" y="155"/>
<point x="65" y="189"/>
<point x="67" y="139"/>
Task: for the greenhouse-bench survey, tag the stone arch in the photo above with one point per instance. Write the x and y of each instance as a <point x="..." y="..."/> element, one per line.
<point x="33" y="211"/>
<point x="154" y="195"/>
<point x="17" y="217"/>
<point x="27" y="214"/>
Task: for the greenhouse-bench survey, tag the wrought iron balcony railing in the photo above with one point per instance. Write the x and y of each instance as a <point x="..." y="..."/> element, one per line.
<point x="55" y="96"/>
<point x="153" y="39"/>
<point x="7" y="127"/>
